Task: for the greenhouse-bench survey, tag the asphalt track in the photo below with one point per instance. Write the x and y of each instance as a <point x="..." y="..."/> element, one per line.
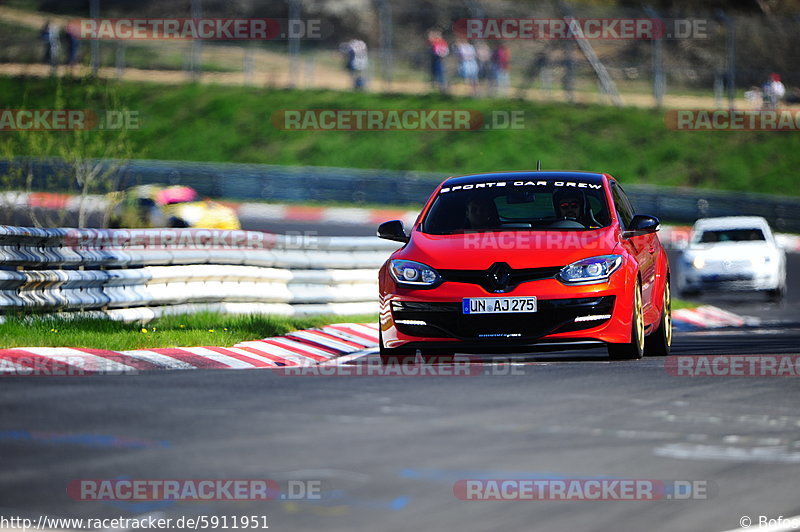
<point x="387" y="451"/>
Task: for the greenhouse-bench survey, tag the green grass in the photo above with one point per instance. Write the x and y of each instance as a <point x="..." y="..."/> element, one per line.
<point x="233" y="124"/>
<point x="678" y="304"/>
<point x="206" y="329"/>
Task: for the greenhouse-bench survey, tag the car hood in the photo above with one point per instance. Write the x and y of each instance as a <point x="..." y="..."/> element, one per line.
<point x="520" y="249"/>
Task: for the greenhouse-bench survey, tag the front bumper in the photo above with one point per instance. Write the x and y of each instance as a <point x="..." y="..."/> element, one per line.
<point x="579" y="314"/>
<point x="446" y="320"/>
<point x="723" y="280"/>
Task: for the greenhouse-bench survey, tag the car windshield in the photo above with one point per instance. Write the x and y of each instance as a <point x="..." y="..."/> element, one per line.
<point x="517" y="206"/>
<point x="731" y="235"/>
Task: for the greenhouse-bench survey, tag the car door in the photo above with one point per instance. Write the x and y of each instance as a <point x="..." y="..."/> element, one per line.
<point x="644" y="248"/>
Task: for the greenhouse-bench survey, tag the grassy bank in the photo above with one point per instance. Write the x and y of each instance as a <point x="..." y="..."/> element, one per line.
<point x="174" y="331"/>
<point x="233" y="124"/>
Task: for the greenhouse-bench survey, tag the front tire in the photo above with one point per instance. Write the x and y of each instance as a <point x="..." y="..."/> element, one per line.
<point x="776" y="295"/>
<point x="659" y="342"/>
<point x="634" y="349"/>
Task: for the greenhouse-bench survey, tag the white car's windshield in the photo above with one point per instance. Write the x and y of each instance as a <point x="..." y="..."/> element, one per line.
<point x="731" y="235"/>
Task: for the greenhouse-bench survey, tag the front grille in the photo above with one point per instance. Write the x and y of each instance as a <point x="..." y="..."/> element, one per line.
<point x="485" y="279"/>
<point x="445" y="320"/>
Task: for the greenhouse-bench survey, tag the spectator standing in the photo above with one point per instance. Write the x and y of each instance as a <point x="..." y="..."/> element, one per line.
<point x="467" y="64"/>
<point x="755" y="97"/>
<point x="49" y="36"/>
<point x="501" y="59"/>
<point x="484" y="55"/>
<point x="438" y="50"/>
<point x="357" y="60"/>
<point x="71" y="38"/>
<point x="774" y="91"/>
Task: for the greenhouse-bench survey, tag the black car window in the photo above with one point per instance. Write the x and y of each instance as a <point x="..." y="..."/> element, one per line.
<point x="732" y="235"/>
<point x="624" y="208"/>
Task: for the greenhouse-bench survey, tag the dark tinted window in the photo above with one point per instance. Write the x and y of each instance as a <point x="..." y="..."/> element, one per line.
<point x="732" y="235"/>
<point x="624" y="208"/>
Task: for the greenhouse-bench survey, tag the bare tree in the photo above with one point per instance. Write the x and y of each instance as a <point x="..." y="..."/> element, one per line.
<point x="81" y="161"/>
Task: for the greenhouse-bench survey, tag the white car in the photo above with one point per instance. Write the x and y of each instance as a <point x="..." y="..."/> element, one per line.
<point x="732" y="253"/>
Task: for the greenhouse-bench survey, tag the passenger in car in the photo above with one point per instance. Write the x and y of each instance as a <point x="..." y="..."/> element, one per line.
<point x="482" y="213"/>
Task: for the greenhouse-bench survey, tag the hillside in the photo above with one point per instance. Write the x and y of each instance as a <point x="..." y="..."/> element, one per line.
<point x="234" y="124"/>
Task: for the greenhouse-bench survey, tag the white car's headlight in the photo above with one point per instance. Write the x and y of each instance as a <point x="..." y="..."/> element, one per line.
<point x="761" y="261"/>
<point x="591" y="270"/>
<point x="408" y="272"/>
<point x="699" y="262"/>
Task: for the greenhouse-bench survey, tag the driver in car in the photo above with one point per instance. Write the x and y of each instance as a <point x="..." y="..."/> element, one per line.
<point x="572" y="205"/>
<point x="569" y="206"/>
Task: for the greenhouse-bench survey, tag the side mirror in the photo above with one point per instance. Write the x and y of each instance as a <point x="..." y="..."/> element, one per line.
<point x="642" y="224"/>
<point x="393" y="230"/>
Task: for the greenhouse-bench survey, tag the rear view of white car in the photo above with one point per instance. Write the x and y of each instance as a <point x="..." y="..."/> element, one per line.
<point x="736" y="253"/>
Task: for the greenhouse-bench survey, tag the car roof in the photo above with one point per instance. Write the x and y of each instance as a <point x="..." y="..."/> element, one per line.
<point x="582" y="177"/>
<point x="731" y="222"/>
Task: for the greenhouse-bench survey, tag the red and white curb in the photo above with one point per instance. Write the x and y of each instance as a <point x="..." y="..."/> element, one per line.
<point x="338" y="343"/>
<point x="298" y="348"/>
<point x="710" y="317"/>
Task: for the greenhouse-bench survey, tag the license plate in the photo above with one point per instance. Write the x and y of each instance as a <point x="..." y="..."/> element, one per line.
<point x="497" y="305"/>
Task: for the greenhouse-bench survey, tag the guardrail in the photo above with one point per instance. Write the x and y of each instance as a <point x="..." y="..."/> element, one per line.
<point x="139" y="274"/>
<point x="356" y="186"/>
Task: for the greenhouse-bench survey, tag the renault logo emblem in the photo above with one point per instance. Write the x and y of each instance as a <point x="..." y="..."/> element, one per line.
<point x="498" y="276"/>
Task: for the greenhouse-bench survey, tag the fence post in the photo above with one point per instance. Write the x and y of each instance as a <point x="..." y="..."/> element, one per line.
<point x="248" y="63"/>
<point x="730" y="47"/>
<point x="94" y="13"/>
<point x="385" y="38"/>
<point x="659" y="79"/>
<point x="120" y="60"/>
<point x="196" y="53"/>
<point x="293" y="41"/>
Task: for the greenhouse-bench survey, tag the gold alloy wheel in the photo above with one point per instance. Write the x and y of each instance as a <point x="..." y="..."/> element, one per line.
<point x="639" y="317"/>
<point x="667" y="315"/>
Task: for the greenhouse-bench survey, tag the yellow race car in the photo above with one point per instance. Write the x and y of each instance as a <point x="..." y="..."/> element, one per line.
<point x="172" y="206"/>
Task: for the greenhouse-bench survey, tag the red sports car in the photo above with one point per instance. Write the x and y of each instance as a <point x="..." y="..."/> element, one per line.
<point x="525" y="261"/>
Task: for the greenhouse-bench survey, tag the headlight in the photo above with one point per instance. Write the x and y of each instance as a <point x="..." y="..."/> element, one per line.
<point x="760" y="261"/>
<point x="591" y="270"/>
<point x="699" y="263"/>
<point x="408" y="272"/>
